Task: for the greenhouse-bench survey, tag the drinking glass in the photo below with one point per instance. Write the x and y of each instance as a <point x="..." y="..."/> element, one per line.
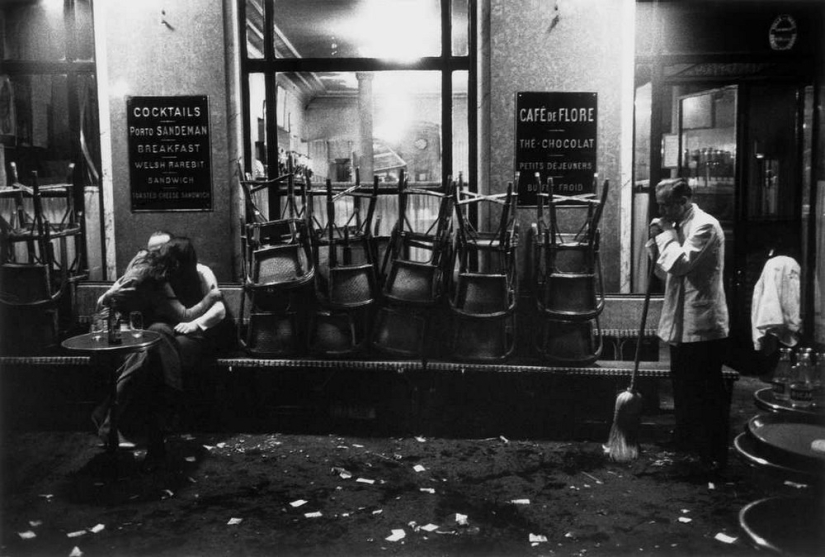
<point x="136" y="324"/>
<point x="97" y="327"/>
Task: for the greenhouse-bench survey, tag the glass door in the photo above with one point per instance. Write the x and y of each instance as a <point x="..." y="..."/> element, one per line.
<point x="707" y="147"/>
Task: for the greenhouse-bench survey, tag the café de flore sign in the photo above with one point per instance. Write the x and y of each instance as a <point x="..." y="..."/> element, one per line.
<point x="556" y="138"/>
<point x="169" y="153"/>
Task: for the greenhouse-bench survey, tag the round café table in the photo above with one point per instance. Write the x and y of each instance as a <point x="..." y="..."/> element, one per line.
<point x="787" y="446"/>
<point x="105" y="356"/>
<point x="765" y="400"/>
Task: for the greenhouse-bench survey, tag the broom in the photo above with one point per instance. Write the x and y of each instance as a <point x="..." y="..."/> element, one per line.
<point x="623" y="442"/>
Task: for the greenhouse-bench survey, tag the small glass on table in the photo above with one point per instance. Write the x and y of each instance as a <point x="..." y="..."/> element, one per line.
<point x="98" y="326"/>
<point x="136" y="324"/>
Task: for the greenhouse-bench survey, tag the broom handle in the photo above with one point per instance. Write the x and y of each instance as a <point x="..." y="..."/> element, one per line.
<point x="645" y="306"/>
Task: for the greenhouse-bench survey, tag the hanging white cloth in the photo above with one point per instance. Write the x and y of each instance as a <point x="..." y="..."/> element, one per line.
<point x="775" y="304"/>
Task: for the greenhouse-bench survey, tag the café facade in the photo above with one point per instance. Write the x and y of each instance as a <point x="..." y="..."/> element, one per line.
<point x="163" y="107"/>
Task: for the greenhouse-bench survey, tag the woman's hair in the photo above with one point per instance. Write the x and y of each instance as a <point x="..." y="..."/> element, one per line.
<point x="183" y="276"/>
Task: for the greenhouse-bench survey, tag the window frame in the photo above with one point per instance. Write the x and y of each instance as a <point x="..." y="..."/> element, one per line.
<point x="73" y="67"/>
<point x="446" y="63"/>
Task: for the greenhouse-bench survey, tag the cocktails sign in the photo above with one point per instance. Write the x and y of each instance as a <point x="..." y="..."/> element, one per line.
<point x="555" y="137"/>
<point x="169" y="153"/>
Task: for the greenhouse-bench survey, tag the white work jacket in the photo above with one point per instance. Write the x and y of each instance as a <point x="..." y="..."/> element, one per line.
<point x="690" y="257"/>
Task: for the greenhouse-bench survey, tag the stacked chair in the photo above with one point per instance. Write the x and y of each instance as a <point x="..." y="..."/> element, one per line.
<point x="567" y="276"/>
<point x="278" y="268"/>
<point x="413" y="272"/>
<point x="484" y="280"/>
<point x="345" y="272"/>
<point x="34" y="278"/>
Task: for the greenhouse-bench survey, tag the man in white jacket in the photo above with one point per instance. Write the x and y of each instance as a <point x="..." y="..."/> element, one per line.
<point x="688" y="248"/>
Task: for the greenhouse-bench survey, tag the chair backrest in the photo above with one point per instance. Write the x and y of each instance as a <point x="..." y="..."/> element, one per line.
<point x="571" y="219"/>
<point x="25" y="284"/>
<point x="281" y="265"/>
<point x="416" y="239"/>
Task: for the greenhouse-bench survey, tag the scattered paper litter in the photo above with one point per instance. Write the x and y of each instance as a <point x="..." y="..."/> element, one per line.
<point x="685" y="511"/>
<point x="796" y="485"/>
<point x="190" y="459"/>
<point x="537" y="538"/>
<point x="461" y="519"/>
<point x="420" y="439"/>
<point x="685" y="519"/>
<point x="724" y="538"/>
<point x="365" y="481"/>
<point x="233" y="521"/>
<point x="379" y="511"/>
<point x="35" y="523"/>
<point x="27" y="535"/>
<point x="221" y="445"/>
<point x="76" y="534"/>
<point x="711" y="485"/>
<point x="76" y="552"/>
<point x="418" y="468"/>
<point x="316" y="514"/>
<point x="427" y="489"/>
<point x="358" y="446"/>
<point x="397" y="534"/>
<point x="208" y="447"/>
<point x="520" y="501"/>
<point x="298" y="503"/>
<point x="96" y="529"/>
<point x="430" y="528"/>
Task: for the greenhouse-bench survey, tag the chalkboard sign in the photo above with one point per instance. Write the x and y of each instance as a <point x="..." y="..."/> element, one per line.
<point x="169" y="153"/>
<point x="556" y="137"/>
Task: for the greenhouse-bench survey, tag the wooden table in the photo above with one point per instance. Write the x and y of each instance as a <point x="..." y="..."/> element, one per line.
<point x="104" y="355"/>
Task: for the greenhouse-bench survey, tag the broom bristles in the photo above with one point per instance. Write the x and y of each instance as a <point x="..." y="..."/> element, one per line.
<point x="622" y="444"/>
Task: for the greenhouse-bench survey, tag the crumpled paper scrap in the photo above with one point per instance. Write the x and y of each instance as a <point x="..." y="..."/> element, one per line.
<point x="461" y="519"/>
<point x="725" y="538"/>
<point x="27" y="535"/>
<point x="233" y="521"/>
<point x="298" y="503"/>
<point x="537" y="538"/>
<point x="76" y="552"/>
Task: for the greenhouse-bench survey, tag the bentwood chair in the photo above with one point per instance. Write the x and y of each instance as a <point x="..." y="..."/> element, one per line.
<point x="345" y="282"/>
<point x="484" y="278"/>
<point x="278" y="269"/>
<point x="29" y="298"/>
<point x="567" y="279"/>
<point x="413" y="270"/>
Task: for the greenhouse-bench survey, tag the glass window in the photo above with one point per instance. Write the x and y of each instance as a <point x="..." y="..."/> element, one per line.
<point x="387" y="29"/>
<point x="356" y="88"/>
<point x="49" y="111"/>
<point x="34" y="30"/>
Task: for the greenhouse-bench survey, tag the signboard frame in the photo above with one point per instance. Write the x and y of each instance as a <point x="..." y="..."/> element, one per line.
<point x="556" y="135"/>
<point x="170" y="153"/>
